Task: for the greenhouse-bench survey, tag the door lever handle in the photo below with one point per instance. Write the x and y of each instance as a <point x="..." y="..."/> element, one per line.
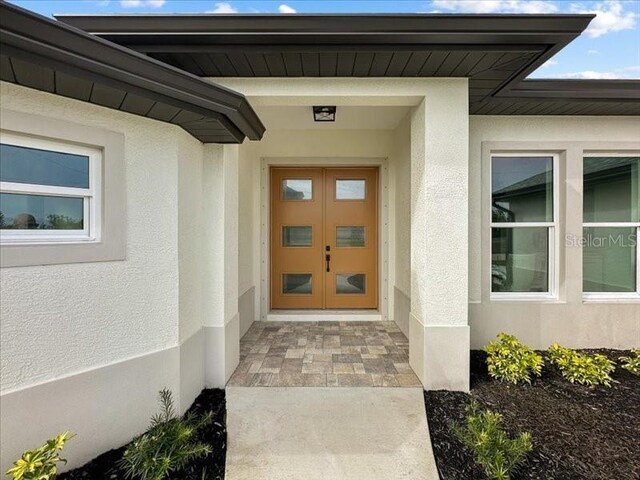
<point x="328" y="260"/>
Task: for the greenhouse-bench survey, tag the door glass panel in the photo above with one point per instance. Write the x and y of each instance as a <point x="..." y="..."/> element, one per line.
<point x="297" y="189"/>
<point x="350" y="236"/>
<point x="296" y="283"/>
<point x="520" y="259"/>
<point x="40" y="212"/>
<point x="611" y="189"/>
<point x="522" y="189"/>
<point x="350" y="283"/>
<point x="350" y="189"/>
<point x="296" y="236"/>
<point x="43" y="167"/>
<point x="609" y="259"/>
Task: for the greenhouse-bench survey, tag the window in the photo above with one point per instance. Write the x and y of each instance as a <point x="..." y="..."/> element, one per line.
<point x="49" y="191"/>
<point x="297" y="189"/>
<point x="611" y="226"/>
<point x="350" y="189"/>
<point x="523" y="226"/>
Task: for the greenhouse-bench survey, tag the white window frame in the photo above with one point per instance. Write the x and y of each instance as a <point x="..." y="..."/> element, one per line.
<point x="613" y="296"/>
<point x="91" y="196"/>
<point x="553" y="241"/>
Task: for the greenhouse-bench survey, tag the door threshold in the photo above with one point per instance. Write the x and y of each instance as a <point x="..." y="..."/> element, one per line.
<point x="324" y="316"/>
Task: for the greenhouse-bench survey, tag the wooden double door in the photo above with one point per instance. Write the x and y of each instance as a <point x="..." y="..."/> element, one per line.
<point x="324" y="238"/>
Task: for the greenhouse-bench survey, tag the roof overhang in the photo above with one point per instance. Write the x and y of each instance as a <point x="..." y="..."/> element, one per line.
<point x="496" y="52"/>
<point x="47" y="55"/>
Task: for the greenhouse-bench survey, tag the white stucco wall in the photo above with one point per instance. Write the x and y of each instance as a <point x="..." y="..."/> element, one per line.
<point x="62" y="319"/>
<point x="568" y="320"/>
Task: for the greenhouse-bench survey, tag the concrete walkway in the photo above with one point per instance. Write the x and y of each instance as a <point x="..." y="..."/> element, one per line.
<point x="299" y="433"/>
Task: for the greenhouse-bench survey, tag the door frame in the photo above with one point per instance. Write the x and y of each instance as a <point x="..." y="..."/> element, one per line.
<point x="383" y="239"/>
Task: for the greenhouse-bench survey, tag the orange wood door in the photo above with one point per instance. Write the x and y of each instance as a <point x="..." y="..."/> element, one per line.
<point x="351" y="232"/>
<point x="319" y="212"/>
<point x="297" y="262"/>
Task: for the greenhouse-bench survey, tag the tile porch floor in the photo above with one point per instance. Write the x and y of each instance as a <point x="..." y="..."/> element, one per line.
<point x="324" y="354"/>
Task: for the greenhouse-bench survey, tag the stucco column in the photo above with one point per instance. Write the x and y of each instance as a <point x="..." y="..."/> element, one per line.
<point x="439" y="331"/>
<point x="220" y="256"/>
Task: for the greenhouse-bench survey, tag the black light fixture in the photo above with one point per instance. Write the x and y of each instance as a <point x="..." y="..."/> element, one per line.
<point x="324" y="114"/>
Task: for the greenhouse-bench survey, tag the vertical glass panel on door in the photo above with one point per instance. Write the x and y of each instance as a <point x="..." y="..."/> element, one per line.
<point x="350" y="189"/>
<point x="609" y="259"/>
<point x="43" y="167"/>
<point x="40" y="212"/>
<point x="520" y="259"/>
<point x="611" y="189"/>
<point x="296" y="283"/>
<point x="352" y="236"/>
<point x="522" y="189"/>
<point x="297" y="189"/>
<point x="297" y="236"/>
<point x="353" y="283"/>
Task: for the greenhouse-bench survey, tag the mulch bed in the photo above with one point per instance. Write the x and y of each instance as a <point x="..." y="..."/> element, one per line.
<point x="578" y="432"/>
<point x="210" y="467"/>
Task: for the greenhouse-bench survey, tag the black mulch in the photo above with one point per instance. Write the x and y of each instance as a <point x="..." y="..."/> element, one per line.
<point x="578" y="432"/>
<point x="211" y="467"/>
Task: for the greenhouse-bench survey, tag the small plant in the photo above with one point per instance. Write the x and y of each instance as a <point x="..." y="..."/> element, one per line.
<point x="498" y="454"/>
<point x="40" y="463"/>
<point x="581" y="367"/>
<point x="168" y="445"/>
<point x="632" y="363"/>
<point x="511" y="361"/>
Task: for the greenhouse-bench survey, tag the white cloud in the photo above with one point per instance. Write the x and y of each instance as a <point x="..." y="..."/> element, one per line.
<point x="497" y="6"/>
<point x="610" y="17"/>
<point x="621" y="73"/>
<point x="223" y="7"/>
<point x="142" y="3"/>
<point x="593" y="52"/>
<point x="549" y="63"/>
<point x="286" y="9"/>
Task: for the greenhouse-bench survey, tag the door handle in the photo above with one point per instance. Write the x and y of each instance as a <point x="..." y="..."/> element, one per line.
<point x="327" y="258"/>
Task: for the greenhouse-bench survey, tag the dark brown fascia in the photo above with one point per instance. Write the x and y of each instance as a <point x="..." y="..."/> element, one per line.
<point x="555" y="89"/>
<point x="52" y="44"/>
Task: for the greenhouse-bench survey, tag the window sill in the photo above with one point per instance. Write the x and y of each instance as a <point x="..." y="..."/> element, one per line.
<point x="515" y="297"/>
<point x="611" y="298"/>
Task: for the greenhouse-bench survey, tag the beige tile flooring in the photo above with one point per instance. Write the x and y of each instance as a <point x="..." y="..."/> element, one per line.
<point x="319" y="354"/>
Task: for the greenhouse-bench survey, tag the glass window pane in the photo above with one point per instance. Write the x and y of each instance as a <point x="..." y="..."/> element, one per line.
<point x="522" y="189"/>
<point x="350" y="236"/>
<point x="296" y="283"/>
<point x="609" y="260"/>
<point x="40" y="212"/>
<point x="43" y="167"/>
<point x="350" y="189"/>
<point x="297" y="189"/>
<point x="350" y="283"/>
<point x="519" y="259"/>
<point x="296" y="236"/>
<point x="611" y="187"/>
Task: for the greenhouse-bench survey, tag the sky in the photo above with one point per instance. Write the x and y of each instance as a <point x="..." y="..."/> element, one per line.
<point x="609" y="48"/>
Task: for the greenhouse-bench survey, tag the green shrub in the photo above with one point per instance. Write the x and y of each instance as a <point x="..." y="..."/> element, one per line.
<point x="511" y="361"/>
<point x="168" y="445"/>
<point x="40" y="463"/>
<point x="498" y="454"/>
<point x="632" y="363"/>
<point x="581" y="367"/>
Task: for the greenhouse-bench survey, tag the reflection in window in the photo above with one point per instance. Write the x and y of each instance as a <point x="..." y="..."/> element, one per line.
<point x="43" y="167"/>
<point x="519" y="259"/>
<point x="350" y="283"/>
<point x="297" y="189"/>
<point x="350" y="236"/>
<point x="296" y="283"/>
<point x="522" y="189"/>
<point x="40" y="212"/>
<point x="350" y="189"/>
<point x="611" y="189"/>
<point x="296" y="236"/>
<point x="609" y="260"/>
